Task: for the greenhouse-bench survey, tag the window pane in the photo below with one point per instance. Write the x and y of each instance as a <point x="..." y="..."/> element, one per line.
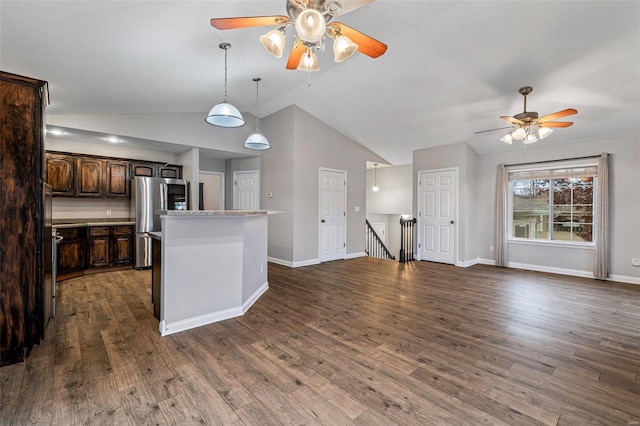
<point x="530" y="209"/>
<point x="584" y="232"/>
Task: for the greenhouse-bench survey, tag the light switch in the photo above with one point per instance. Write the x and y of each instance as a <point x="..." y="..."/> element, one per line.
<point x="357" y="209"/>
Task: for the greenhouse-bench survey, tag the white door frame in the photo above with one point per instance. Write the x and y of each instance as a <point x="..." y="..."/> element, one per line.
<point x="456" y="237"/>
<point x="222" y="185"/>
<point x="344" y="236"/>
<point x="235" y="179"/>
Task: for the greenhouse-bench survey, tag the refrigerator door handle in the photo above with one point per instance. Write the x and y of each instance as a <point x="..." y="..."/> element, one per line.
<point x="163" y="196"/>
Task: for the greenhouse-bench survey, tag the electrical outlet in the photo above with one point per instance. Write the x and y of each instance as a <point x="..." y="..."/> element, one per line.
<point x="635" y="262"/>
<point x="356" y="209"/>
<point x="108" y="212"/>
<point x="490" y="248"/>
<point x="269" y="194"/>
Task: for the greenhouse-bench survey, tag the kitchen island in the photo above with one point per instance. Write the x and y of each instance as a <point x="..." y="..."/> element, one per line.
<point x="212" y="266"/>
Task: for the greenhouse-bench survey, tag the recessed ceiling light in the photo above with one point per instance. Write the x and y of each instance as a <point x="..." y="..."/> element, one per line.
<point x="113" y="139"/>
<point x="55" y="132"/>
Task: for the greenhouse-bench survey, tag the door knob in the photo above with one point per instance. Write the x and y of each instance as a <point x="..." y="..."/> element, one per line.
<point x="451" y="222"/>
<point x="322" y="221"/>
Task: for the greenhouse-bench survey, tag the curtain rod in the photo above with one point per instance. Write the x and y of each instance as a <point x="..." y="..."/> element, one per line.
<point x="557" y="161"/>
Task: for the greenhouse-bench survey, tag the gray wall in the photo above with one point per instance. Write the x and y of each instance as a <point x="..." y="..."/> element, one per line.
<point x="311" y="145"/>
<point x="395" y="195"/>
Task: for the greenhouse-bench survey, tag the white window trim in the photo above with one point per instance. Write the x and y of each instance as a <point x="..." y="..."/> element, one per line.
<point x="551" y="243"/>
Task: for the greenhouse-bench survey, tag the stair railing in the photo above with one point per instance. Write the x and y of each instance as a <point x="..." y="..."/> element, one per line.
<point x="406" y="239"/>
<point x="374" y="245"/>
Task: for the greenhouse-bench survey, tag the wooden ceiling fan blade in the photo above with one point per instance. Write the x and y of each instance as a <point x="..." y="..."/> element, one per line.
<point x="297" y="50"/>
<point x="251" y="21"/>
<point x="556" y="115"/>
<point x="556" y="124"/>
<point x="367" y="45"/>
<point x="512" y="120"/>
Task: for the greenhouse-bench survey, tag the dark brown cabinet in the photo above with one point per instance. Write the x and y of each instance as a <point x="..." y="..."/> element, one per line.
<point x="144" y="169"/>
<point x="116" y="179"/>
<point x="172" y="172"/>
<point x="110" y="246"/>
<point x="89" y="173"/>
<point x="22" y="103"/>
<point x="72" y="251"/>
<point x="60" y="174"/>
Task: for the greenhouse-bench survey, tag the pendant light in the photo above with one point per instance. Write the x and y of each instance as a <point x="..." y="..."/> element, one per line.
<point x="375" y="176"/>
<point x="257" y="141"/>
<point x="224" y="114"/>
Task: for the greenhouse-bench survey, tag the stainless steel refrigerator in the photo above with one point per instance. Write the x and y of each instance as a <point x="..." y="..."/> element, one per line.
<point x="149" y="196"/>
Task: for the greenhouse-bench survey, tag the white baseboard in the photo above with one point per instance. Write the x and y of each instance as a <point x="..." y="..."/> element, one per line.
<point x="562" y="271"/>
<point x="189" y="323"/>
<point x="291" y="264"/>
<point x="356" y="255"/>
<point x="280" y="261"/>
<point x="467" y="263"/>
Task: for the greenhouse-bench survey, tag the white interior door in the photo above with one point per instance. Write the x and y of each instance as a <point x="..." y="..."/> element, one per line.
<point x="212" y="190"/>
<point x="246" y="190"/>
<point x="333" y="215"/>
<point x="437" y="198"/>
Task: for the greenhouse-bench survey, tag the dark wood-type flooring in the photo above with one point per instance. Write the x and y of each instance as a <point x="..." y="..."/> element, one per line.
<point x="363" y="342"/>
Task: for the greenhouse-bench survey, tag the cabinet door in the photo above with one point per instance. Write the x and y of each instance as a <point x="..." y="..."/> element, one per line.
<point x="122" y="245"/>
<point x="171" y="172"/>
<point x="116" y="179"/>
<point x="89" y="177"/>
<point x="72" y="250"/>
<point x="144" y="169"/>
<point x="99" y="253"/>
<point x="60" y="174"/>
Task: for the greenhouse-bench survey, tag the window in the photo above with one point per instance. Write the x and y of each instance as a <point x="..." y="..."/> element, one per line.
<point x="553" y="204"/>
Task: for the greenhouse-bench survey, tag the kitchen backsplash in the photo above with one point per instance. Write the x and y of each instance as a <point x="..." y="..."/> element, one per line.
<point x="81" y="208"/>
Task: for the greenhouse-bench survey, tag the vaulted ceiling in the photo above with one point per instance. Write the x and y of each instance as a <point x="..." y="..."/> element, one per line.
<point x="450" y="70"/>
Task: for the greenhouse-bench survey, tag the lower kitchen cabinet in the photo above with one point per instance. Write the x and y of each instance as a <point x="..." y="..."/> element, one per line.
<point x="110" y="246"/>
<point x="72" y="251"/>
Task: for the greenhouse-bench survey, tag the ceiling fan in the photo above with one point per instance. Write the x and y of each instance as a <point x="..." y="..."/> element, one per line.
<point x="312" y="22"/>
<point x="528" y="127"/>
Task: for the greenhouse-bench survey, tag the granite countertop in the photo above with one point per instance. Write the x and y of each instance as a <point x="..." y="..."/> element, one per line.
<point x="73" y="223"/>
<point x="196" y="213"/>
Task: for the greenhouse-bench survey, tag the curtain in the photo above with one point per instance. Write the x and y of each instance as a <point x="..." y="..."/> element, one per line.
<point x="601" y="264"/>
<point x="501" y="216"/>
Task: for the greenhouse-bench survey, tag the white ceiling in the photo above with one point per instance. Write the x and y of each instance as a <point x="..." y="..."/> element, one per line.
<point x="451" y="68"/>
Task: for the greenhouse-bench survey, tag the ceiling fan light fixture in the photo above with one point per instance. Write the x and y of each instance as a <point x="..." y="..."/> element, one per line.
<point x="519" y="134"/>
<point x="309" y="62"/>
<point x="310" y="25"/>
<point x="274" y="41"/>
<point x="543" y="132"/>
<point x="531" y="138"/>
<point x="224" y="114"/>
<point x="343" y="48"/>
<point x="507" y="138"/>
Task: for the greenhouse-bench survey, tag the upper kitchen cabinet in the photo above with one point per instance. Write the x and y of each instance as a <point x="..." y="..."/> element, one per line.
<point x="140" y="168"/>
<point x="89" y="172"/>
<point x="150" y="169"/>
<point x="73" y="175"/>
<point x="116" y="178"/>
<point x="60" y="174"/>
<point x="22" y="103"/>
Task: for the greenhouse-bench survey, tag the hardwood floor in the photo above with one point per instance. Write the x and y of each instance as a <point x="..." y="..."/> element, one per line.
<point x="362" y="342"/>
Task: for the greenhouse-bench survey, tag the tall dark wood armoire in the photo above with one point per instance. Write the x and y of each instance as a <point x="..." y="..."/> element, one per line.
<point x="22" y="103"/>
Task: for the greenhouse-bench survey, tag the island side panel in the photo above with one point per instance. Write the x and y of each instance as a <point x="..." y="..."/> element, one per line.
<point x="254" y="282"/>
<point x="202" y="270"/>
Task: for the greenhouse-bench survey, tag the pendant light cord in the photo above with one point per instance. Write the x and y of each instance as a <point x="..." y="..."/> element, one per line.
<point x="226" y="47"/>
<point x="257" y="80"/>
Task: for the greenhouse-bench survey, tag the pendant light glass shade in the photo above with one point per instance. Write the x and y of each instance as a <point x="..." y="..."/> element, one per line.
<point x="309" y="62"/>
<point x="257" y="141"/>
<point x="543" y="132"/>
<point x="507" y="138"/>
<point x="343" y="48"/>
<point x="224" y="114"/>
<point x="310" y="25"/>
<point x="375" y="187"/>
<point x="274" y="41"/>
